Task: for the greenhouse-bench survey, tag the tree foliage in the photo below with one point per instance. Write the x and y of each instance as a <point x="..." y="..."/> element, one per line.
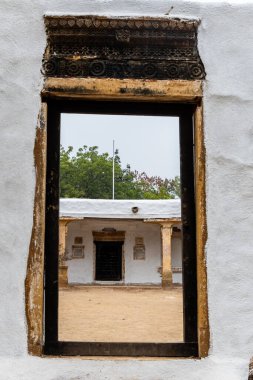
<point x="88" y="174"/>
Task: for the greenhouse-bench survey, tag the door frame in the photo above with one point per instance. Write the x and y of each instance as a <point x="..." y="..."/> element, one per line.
<point x="185" y="112"/>
<point x="168" y="91"/>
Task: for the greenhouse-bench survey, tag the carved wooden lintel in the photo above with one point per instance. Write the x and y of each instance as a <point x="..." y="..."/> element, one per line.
<point x="144" y="48"/>
<point x="108" y="236"/>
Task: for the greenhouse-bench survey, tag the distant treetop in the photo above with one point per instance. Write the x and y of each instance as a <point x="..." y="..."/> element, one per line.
<point x="88" y="174"/>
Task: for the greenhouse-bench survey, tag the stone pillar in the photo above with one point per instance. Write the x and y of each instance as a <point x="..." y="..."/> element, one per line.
<point x="166" y="233"/>
<point x="63" y="268"/>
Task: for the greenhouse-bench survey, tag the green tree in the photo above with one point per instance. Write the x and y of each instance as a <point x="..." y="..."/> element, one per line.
<point x="155" y="187"/>
<point x="88" y="174"/>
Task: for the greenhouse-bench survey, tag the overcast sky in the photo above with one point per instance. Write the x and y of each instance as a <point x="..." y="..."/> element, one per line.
<point x="147" y="143"/>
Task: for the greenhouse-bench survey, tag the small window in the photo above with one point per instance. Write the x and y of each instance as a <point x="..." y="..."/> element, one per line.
<point x="78" y="240"/>
<point x="139" y="249"/>
<point x="77" y="251"/>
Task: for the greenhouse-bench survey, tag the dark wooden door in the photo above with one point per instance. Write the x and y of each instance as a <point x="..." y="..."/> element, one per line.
<point x="108" y="261"/>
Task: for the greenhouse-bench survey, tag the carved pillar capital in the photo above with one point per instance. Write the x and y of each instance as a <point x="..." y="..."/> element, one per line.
<point x="166" y="228"/>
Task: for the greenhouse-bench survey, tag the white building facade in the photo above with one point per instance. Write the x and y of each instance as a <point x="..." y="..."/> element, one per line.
<point x="96" y="229"/>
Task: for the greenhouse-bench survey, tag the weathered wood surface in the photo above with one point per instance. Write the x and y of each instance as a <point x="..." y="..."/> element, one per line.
<point x="201" y="226"/>
<point x="35" y="266"/>
<point x="251" y="369"/>
<point x="131" y="89"/>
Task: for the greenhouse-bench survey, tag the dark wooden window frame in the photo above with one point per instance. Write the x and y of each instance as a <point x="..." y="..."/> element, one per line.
<point x="185" y="112"/>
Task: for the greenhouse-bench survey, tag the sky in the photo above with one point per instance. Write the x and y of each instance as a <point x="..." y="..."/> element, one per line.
<point x="147" y="143"/>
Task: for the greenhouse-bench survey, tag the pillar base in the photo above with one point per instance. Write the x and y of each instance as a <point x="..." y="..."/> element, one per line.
<point x="167" y="281"/>
<point x="63" y="276"/>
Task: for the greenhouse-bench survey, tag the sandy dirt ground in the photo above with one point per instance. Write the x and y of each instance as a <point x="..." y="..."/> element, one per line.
<point x="120" y="314"/>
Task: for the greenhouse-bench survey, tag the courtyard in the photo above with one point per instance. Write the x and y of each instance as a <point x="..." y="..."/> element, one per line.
<point x="120" y="314"/>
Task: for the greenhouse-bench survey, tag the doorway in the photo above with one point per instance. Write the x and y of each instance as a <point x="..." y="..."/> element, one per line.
<point x="108" y="261"/>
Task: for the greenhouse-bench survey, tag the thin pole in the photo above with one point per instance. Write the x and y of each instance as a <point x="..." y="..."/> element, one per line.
<point x="113" y="157"/>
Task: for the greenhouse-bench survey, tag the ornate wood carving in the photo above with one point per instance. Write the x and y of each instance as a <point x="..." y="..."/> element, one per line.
<point x="144" y="48"/>
<point x="108" y="236"/>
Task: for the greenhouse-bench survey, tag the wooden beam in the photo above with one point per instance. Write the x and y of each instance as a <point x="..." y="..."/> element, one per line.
<point x="123" y="89"/>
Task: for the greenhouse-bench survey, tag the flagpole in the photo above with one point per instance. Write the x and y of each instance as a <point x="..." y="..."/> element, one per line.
<point x="113" y="157"/>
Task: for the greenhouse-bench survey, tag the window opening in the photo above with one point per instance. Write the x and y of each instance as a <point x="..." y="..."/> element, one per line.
<point x="118" y="247"/>
<point x="164" y="50"/>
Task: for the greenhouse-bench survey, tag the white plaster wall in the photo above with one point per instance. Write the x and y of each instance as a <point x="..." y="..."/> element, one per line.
<point x="121" y="209"/>
<point x="143" y="271"/>
<point x="225" y="43"/>
<point x="80" y="270"/>
<point x="136" y="271"/>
